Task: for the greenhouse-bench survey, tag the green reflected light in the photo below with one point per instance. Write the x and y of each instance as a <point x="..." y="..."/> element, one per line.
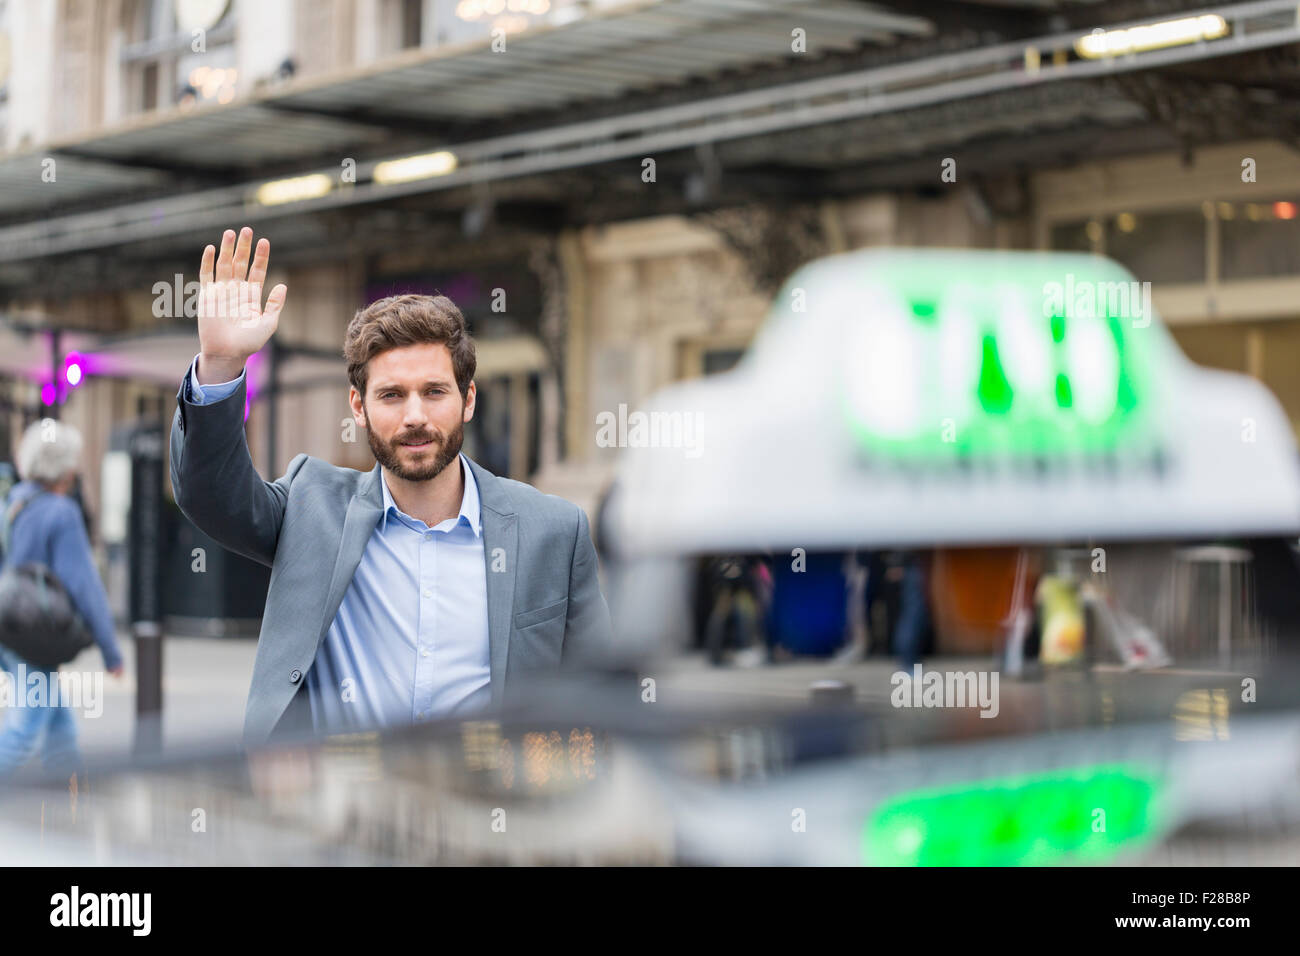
<point x="1081" y="815"/>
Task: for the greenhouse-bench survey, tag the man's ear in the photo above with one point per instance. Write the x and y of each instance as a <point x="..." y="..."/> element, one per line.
<point x="470" y="392"/>
<point x="358" y="408"/>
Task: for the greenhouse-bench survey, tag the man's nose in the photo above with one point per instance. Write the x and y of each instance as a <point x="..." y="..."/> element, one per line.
<point x="413" y="412"/>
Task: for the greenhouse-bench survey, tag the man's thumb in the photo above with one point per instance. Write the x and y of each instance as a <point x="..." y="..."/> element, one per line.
<point x="274" y="303"/>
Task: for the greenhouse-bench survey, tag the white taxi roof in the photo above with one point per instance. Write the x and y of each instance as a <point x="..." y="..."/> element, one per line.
<point x="927" y="397"/>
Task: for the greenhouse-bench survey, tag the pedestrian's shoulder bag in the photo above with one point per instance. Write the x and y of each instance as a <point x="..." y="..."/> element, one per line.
<point x="38" y="621"/>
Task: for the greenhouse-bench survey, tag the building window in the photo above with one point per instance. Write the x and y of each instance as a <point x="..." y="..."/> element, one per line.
<point x="160" y="63"/>
<point x="720" y="360"/>
<point x="411" y="21"/>
<point x="709" y="355"/>
<point x="1259" y="239"/>
<point x="1155" y="247"/>
<point x="401" y="25"/>
<point x="1081" y="236"/>
<point x="1159" y="246"/>
<point x="149" y="87"/>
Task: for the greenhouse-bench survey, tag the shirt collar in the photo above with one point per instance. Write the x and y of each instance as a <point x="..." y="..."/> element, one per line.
<point x="470" y="511"/>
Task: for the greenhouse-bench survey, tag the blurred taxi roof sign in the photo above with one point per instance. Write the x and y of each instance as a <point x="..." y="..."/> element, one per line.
<point x="927" y="397"/>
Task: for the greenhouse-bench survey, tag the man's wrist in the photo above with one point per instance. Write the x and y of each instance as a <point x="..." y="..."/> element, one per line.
<point x="216" y="370"/>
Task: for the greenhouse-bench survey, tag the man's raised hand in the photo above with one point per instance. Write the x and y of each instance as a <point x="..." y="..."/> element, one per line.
<point x="233" y="324"/>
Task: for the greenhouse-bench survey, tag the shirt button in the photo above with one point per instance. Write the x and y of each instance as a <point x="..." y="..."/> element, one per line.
<point x="428" y="593"/>
<point x="424" y="653"/>
<point x="295" y="675"/>
<point x="420" y="715"/>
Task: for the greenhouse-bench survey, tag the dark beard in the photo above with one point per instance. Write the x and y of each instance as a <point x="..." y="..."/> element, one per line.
<point x="446" y="449"/>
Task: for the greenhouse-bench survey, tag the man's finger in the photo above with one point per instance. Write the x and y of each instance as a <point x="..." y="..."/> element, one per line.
<point x="223" y="258"/>
<point x="205" y="265"/>
<point x="261" y="257"/>
<point x="242" y="250"/>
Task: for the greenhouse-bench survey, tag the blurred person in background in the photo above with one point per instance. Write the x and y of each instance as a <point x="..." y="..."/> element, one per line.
<point x="809" y="613"/>
<point x="8" y="478"/>
<point x="901" y="580"/>
<point x="738" y="586"/>
<point x="914" y="621"/>
<point x="48" y="528"/>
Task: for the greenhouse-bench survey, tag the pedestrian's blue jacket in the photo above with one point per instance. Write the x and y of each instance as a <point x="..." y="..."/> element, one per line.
<point x="52" y="531"/>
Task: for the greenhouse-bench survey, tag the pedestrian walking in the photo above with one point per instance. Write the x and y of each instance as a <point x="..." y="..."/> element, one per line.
<point x="45" y="527"/>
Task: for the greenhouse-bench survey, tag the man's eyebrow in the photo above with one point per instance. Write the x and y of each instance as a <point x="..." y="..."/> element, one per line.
<point x="396" y="387"/>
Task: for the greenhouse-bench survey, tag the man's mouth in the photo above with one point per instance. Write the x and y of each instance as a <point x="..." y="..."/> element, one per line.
<point x="418" y="444"/>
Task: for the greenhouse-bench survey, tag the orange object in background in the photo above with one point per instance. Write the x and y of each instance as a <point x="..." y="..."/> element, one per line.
<point x="971" y="592"/>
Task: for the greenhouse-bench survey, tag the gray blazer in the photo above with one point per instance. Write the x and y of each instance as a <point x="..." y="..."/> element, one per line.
<point x="311" y="526"/>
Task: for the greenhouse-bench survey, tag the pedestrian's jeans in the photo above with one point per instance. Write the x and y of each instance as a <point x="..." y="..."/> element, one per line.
<point x="36" y="720"/>
<point x="913" y="614"/>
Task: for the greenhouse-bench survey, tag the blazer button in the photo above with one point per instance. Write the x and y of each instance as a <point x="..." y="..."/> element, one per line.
<point x="295" y="675"/>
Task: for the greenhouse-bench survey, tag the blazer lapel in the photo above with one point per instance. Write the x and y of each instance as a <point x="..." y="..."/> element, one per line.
<point x="500" y="558"/>
<point x="363" y="512"/>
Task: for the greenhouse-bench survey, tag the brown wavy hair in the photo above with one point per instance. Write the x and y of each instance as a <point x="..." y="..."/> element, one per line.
<point x="402" y="320"/>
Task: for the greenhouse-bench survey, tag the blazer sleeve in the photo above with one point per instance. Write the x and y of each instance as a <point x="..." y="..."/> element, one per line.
<point x="587" y="633"/>
<point x="215" y="483"/>
<point x="202" y="395"/>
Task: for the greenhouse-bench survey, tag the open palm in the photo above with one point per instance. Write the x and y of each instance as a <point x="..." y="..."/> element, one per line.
<point x="232" y="320"/>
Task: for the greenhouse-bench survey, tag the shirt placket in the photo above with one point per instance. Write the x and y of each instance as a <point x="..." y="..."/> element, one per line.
<point x="426" y="631"/>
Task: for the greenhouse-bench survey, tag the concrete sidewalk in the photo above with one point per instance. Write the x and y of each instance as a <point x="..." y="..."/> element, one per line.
<point x="205" y="686"/>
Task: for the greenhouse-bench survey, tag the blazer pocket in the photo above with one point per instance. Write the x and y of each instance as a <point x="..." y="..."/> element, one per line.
<point x="550" y="611"/>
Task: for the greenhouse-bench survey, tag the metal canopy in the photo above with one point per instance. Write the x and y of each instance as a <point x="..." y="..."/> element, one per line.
<point x="603" y="57"/>
<point x="29" y="183"/>
<point x="218" y="137"/>
<point x="632" y="48"/>
<point x="565" y="65"/>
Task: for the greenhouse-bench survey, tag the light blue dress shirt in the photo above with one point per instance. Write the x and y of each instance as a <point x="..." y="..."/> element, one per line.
<point x="410" y="640"/>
